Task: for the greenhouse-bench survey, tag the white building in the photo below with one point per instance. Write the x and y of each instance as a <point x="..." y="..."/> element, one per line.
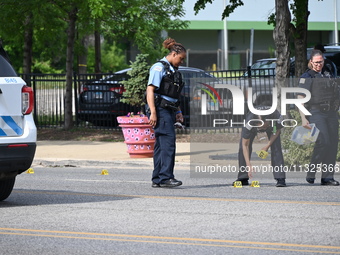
<point x="205" y="37"/>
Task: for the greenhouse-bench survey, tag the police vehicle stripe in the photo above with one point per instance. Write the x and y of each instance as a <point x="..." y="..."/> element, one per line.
<point x="8" y="127"/>
<point x="12" y="124"/>
<point x="2" y="133"/>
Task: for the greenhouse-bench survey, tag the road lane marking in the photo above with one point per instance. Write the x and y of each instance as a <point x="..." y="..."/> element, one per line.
<point x="180" y="198"/>
<point x="113" y="181"/>
<point x="168" y="240"/>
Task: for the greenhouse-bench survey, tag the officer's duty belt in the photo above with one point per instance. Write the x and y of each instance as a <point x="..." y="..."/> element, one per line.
<point x="325" y="107"/>
<point x="166" y="104"/>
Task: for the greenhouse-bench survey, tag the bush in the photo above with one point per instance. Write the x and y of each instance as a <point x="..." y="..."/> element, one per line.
<point x="295" y="154"/>
<point x="135" y="87"/>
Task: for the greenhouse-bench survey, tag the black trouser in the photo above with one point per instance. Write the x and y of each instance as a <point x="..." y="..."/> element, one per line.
<point x="277" y="161"/>
<point x="326" y="146"/>
<point x="165" y="146"/>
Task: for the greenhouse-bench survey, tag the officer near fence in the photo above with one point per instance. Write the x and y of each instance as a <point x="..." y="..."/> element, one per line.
<point x="271" y="124"/>
<point x="328" y="64"/>
<point x="163" y="92"/>
<point x="323" y="106"/>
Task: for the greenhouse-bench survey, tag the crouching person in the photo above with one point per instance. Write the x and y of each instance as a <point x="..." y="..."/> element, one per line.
<point x="271" y="124"/>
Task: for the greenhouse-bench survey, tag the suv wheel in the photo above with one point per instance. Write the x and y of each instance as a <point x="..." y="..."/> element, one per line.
<point x="6" y="187"/>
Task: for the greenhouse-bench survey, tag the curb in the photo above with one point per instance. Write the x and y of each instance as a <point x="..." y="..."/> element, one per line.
<point x="94" y="163"/>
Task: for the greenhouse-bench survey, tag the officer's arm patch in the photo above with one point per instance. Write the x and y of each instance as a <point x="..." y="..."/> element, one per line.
<point x="247" y="126"/>
<point x="158" y="68"/>
<point x="302" y="81"/>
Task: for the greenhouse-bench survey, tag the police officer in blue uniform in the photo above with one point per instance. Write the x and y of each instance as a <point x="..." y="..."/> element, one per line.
<point x="323" y="106"/>
<point x="271" y="124"/>
<point x="163" y="92"/>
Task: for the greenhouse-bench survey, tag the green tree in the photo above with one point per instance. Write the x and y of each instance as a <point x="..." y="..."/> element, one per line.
<point x="36" y="21"/>
<point x="113" y="58"/>
<point x="285" y="27"/>
<point x="298" y="26"/>
<point x="38" y="32"/>
<point x="140" y="22"/>
<point x="18" y="18"/>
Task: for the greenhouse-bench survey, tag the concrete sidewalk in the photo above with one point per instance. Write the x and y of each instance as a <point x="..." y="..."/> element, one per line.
<point x="95" y="151"/>
<point x="92" y="153"/>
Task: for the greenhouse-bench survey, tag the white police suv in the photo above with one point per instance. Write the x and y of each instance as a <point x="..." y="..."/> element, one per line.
<point x="18" y="133"/>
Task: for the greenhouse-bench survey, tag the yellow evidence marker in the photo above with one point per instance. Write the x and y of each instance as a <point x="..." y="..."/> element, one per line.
<point x="255" y="184"/>
<point x="30" y="171"/>
<point x="262" y="154"/>
<point x="237" y="184"/>
<point x="104" y="172"/>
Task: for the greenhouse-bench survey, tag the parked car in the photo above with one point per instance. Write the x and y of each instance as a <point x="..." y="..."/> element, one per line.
<point x="265" y="68"/>
<point x="260" y="76"/>
<point x="99" y="101"/>
<point x="263" y="80"/>
<point x="18" y="134"/>
<point x="262" y="67"/>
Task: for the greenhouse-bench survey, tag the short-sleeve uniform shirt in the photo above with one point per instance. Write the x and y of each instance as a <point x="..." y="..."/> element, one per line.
<point x="306" y="81"/>
<point x="157" y="72"/>
<point x="249" y="131"/>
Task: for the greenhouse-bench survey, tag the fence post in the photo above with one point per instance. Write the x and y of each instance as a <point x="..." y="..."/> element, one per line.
<point x="75" y="98"/>
<point x="34" y="87"/>
<point x="249" y="76"/>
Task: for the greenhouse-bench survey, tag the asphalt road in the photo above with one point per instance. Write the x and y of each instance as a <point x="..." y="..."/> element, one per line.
<point x="76" y="210"/>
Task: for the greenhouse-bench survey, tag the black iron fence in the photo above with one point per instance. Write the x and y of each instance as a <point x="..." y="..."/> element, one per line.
<point x="96" y="97"/>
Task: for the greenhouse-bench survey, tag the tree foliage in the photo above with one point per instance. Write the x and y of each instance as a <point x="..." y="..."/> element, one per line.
<point x="295" y="154"/>
<point x="113" y="58"/>
<point x="36" y="22"/>
<point x="233" y="4"/>
<point x="138" y="22"/>
<point x="51" y="31"/>
<point x="141" y="22"/>
<point x="297" y="29"/>
<point x="135" y="87"/>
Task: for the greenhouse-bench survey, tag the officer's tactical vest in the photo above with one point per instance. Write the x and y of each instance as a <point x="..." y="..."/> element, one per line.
<point x="323" y="89"/>
<point x="172" y="83"/>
